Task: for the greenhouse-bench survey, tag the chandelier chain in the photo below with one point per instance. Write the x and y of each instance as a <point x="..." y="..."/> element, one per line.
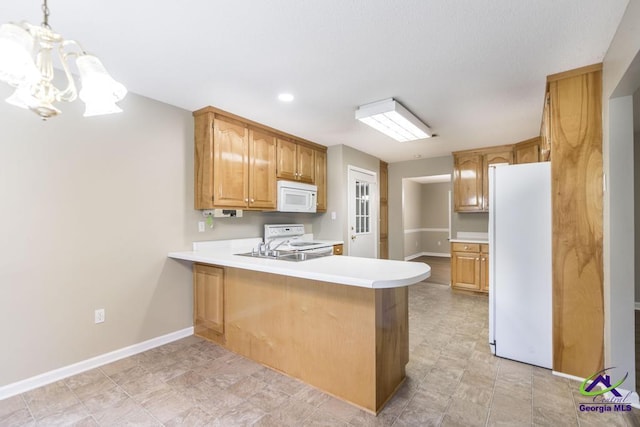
<point x="45" y="11"/>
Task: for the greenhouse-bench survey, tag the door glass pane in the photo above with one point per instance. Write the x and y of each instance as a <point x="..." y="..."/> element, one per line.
<point x="362" y="205"/>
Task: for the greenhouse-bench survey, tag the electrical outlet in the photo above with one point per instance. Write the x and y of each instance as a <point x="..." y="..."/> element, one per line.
<point x="99" y="315"/>
<point x="201" y="226"/>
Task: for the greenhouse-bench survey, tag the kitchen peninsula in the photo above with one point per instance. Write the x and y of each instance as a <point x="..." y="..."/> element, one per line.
<point x="338" y="323"/>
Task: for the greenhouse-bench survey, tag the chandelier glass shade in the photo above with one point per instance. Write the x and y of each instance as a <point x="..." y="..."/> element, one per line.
<point x="26" y="63"/>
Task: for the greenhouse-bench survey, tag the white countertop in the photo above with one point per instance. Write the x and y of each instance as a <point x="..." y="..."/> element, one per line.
<point x="471" y="237"/>
<point x="486" y="241"/>
<point x="346" y="270"/>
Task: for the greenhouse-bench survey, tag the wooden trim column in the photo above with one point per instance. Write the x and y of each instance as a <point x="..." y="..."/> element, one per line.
<point x="576" y="171"/>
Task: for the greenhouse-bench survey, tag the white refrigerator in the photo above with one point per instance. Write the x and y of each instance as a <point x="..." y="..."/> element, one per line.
<point x="520" y="326"/>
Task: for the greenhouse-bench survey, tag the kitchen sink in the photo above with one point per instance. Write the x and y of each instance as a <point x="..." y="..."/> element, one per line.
<point x="286" y="255"/>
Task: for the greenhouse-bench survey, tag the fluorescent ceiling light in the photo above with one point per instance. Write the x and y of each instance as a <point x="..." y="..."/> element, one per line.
<point x="392" y="119"/>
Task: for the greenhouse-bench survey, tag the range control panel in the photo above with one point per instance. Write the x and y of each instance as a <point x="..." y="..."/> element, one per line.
<point x="276" y="231"/>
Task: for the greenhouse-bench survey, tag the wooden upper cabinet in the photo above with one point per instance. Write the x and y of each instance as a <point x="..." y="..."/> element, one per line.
<point x="471" y="176"/>
<point x="296" y="162"/>
<point x="306" y="163"/>
<point x="262" y="170"/>
<point x="492" y="158"/>
<point x="230" y="163"/>
<point x="286" y="158"/>
<point x="467" y="182"/>
<point x="321" y="180"/>
<point x="237" y="162"/>
<point x="527" y="151"/>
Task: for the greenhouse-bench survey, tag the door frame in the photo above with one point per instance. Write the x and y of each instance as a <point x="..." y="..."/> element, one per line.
<point x="374" y="206"/>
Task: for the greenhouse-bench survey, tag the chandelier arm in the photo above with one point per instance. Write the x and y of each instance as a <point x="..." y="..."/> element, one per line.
<point x="70" y="93"/>
<point x="67" y="43"/>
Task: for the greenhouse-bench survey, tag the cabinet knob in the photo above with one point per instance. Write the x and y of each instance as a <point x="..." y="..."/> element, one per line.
<point x="253" y="200"/>
<point x="466" y="247"/>
<point x="246" y="200"/>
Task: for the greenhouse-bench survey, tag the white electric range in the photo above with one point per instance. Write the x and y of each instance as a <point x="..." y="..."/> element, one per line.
<point x="289" y="237"/>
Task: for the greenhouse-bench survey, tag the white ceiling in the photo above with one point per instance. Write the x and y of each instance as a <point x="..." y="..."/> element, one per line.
<point x="473" y="70"/>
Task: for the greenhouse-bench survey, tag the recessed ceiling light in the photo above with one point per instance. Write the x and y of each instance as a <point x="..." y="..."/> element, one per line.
<point x="285" y="97"/>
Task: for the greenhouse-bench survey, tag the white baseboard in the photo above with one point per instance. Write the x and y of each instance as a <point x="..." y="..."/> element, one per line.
<point x="419" y="254"/>
<point x="634" y="396"/>
<point x="22" y="386"/>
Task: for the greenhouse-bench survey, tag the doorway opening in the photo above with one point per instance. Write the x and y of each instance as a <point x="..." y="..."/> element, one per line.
<point x="426" y="223"/>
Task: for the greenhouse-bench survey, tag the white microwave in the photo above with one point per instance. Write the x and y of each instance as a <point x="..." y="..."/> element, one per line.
<point x="297" y="197"/>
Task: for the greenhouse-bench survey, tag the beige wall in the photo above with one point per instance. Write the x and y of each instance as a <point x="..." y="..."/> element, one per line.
<point x="477" y="222"/>
<point x="90" y="209"/>
<point x="412" y="201"/>
<point x="435" y="209"/>
<point x="397" y="172"/>
<point x="425" y="207"/>
<point x="339" y="157"/>
<point x="621" y="78"/>
<point x="411" y="217"/>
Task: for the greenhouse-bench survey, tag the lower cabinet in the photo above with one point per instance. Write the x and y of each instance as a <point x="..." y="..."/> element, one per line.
<point x="338" y="249"/>
<point x="208" y="301"/>
<point x="484" y="268"/>
<point x="470" y="266"/>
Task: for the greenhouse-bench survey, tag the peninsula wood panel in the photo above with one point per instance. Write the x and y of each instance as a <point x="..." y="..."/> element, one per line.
<point x="576" y="171"/>
<point x="208" y="301"/>
<point x="349" y="341"/>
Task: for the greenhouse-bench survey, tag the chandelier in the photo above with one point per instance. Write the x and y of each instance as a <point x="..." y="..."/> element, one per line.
<point x="26" y="63"/>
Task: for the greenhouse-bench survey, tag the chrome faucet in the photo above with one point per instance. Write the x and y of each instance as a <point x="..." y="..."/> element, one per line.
<point x="269" y="248"/>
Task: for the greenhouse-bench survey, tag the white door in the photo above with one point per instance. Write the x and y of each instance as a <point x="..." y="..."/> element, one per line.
<point x="363" y="213"/>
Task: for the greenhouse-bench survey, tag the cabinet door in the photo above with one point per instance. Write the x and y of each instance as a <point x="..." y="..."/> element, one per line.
<point x="484" y="268"/>
<point x="467" y="182"/>
<point x="230" y="163"/>
<point x="262" y="170"/>
<point x="306" y="165"/>
<point x="321" y="180"/>
<point x="465" y="270"/>
<point x="527" y="152"/>
<point x="208" y="300"/>
<point x="499" y="157"/>
<point x="286" y="159"/>
<point x="203" y="161"/>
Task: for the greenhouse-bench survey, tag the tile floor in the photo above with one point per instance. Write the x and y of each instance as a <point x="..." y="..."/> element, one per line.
<point x="452" y="380"/>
